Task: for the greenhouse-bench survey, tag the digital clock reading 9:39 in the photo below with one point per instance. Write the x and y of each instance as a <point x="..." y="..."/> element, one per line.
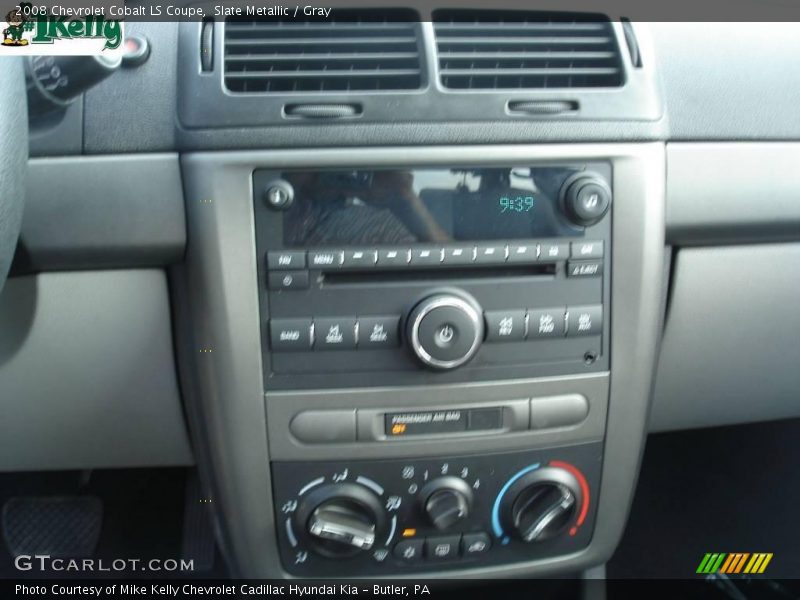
<point x="515" y="204"/>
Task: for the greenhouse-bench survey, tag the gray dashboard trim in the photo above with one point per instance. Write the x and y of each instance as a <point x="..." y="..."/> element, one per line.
<point x="721" y="193"/>
<point x="103" y="212"/>
<point x="223" y="305"/>
<point x="204" y="103"/>
<point x="730" y="350"/>
<point x="372" y="403"/>
<point x="87" y="373"/>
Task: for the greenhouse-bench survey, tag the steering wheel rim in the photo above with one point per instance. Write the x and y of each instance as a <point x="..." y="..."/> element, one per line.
<point x="13" y="157"/>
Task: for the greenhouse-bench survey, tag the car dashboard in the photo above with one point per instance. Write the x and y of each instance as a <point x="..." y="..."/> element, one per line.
<point x="410" y="288"/>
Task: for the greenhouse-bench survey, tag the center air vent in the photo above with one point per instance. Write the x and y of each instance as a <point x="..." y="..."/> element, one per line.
<point x="375" y="50"/>
<point x="489" y="50"/>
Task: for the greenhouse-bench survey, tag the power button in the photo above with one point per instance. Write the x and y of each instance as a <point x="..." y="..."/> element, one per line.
<point x="445" y="331"/>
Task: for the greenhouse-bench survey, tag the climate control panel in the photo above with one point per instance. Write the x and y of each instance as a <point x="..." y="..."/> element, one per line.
<point x="366" y="518"/>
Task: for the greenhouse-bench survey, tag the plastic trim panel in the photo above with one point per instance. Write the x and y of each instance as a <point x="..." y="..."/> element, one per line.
<point x="223" y="307"/>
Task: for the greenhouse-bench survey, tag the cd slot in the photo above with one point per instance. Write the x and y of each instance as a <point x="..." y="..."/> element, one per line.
<point x="465" y="273"/>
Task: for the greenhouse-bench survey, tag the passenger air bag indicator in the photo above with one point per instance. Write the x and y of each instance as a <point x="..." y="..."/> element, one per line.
<point x="425" y="423"/>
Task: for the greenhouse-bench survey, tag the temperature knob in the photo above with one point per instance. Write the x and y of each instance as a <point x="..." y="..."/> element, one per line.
<point x="446" y="501"/>
<point x="542" y="504"/>
<point x="341" y="520"/>
<point x="445" y="330"/>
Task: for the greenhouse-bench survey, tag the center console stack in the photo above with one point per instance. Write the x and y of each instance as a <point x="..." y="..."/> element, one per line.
<point x="454" y="353"/>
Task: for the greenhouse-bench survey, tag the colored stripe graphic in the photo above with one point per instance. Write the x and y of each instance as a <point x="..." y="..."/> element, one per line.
<point x="758" y="563"/>
<point x="734" y="562"/>
<point x="710" y="563"/>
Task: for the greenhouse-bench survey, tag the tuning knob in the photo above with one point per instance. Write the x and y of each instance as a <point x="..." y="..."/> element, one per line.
<point x="446" y="501"/>
<point x="445" y="330"/>
<point x="586" y="198"/>
<point x="341" y="520"/>
<point x="542" y="504"/>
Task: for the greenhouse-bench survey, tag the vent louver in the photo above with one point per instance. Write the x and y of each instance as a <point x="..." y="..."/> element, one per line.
<point x="494" y="50"/>
<point x="356" y="51"/>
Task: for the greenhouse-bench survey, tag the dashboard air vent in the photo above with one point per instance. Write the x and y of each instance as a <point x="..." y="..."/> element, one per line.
<point x="498" y="50"/>
<point x="364" y="50"/>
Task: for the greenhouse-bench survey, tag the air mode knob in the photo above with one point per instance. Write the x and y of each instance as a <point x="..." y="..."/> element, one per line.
<point x="542" y="504"/>
<point x="586" y="198"/>
<point x="341" y="520"/>
<point x="445" y="330"/>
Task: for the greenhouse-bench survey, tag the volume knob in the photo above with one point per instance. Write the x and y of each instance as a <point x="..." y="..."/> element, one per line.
<point x="445" y="330"/>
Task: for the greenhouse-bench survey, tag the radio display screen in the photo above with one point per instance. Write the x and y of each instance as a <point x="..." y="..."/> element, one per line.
<point x="405" y="206"/>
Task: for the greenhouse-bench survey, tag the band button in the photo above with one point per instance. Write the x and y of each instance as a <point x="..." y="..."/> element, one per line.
<point x="290" y="334"/>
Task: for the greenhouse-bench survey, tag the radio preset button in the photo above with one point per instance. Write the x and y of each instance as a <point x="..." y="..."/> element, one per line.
<point x="393" y="257"/>
<point x="321" y="259"/>
<point x="491" y="254"/>
<point x="505" y="325"/>
<point x="523" y="253"/>
<point x="335" y="333"/>
<point x="378" y="332"/>
<point x="279" y="260"/>
<point x="586" y="249"/>
<point x="290" y="334"/>
<point x="551" y="252"/>
<point x="426" y="256"/>
<point x="459" y="255"/>
<point x="546" y="323"/>
<point x="288" y="280"/>
<point x="359" y="258"/>
<point x="584" y="320"/>
<point x="584" y="268"/>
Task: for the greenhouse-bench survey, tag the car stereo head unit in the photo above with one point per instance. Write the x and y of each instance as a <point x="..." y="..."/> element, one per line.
<point x="390" y="276"/>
